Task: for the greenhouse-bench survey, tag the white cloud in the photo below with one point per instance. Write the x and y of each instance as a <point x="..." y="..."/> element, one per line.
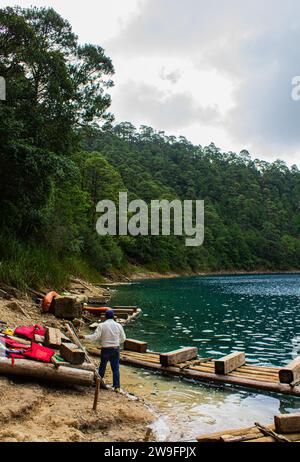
<point x="172" y="111"/>
<point x="227" y="64"/>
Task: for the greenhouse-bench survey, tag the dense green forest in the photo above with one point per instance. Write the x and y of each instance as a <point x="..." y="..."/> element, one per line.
<point x="61" y="152"/>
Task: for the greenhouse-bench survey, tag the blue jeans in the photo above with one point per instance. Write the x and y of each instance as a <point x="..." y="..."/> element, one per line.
<point x="111" y="355"/>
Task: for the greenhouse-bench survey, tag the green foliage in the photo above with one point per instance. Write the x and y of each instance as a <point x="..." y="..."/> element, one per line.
<point x="252" y="216"/>
<point x="60" y="155"/>
<point x="54" y="86"/>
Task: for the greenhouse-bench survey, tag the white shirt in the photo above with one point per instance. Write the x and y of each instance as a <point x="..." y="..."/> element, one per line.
<point x="109" y="334"/>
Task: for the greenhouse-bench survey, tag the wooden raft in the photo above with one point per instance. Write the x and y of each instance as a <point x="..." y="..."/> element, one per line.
<point x="286" y="428"/>
<point x="203" y="370"/>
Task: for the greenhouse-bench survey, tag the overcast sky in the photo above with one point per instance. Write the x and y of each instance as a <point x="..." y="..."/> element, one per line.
<point x="214" y="71"/>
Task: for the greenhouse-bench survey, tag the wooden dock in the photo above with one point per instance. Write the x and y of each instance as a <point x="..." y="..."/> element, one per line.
<point x="124" y="316"/>
<point x="286" y="429"/>
<point x="260" y="378"/>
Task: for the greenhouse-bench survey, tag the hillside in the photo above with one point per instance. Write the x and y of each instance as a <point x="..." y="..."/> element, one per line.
<point x="61" y="153"/>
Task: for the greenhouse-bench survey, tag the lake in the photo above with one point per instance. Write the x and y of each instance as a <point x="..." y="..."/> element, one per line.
<point x="256" y="314"/>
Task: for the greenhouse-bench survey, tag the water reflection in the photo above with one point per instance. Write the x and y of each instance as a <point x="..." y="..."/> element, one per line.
<point x="259" y="314"/>
<point x="187" y="409"/>
<point x="256" y="314"/>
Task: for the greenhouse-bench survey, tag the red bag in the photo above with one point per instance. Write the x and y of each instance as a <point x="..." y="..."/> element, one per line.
<point x="29" y="332"/>
<point x="39" y="353"/>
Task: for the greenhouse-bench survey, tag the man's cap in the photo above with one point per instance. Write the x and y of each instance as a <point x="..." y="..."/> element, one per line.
<point x="110" y="314"/>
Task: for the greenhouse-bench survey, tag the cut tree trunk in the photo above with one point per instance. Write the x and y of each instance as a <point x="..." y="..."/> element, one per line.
<point x="72" y="353"/>
<point x="68" y="307"/>
<point x="135" y="345"/>
<point x="53" y="337"/>
<point x="230" y="363"/>
<point x="178" y="356"/>
<point x="287" y="423"/>
<point x="27" y="368"/>
<point x="290" y="373"/>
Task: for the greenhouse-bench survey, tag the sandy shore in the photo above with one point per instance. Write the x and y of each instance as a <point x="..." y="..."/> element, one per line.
<point x="32" y="411"/>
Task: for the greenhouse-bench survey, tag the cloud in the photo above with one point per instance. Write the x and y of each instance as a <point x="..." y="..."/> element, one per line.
<point x="252" y="43"/>
<point x="161" y="109"/>
<point x="172" y="50"/>
<point x="172" y="77"/>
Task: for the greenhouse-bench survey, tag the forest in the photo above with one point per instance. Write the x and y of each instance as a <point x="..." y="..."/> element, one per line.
<point x="61" y="152"/>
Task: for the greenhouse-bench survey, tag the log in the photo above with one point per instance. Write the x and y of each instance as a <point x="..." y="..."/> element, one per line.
<point x="19" y="340"/>
<point x="5" y="295"/>
<point x="85" y="366"/>
<point x="126" y="308"/>
<point x="230" y="363"/>
<point x="68" y="307"/>
<point x="209" y="377"/>
<point x="290" y="373"/>
<point x="293" y="438"/>
<point x="72" y="353"/>
<point x="271" y="433"/>
<point x="65" y="339"/>
<point x="123" y="316"/>
<point x="43" y="371"/>
<point x="240" y="439"/>
<point x="228" y="434"/>
<point x="96" y="300"/>
<point x="178" y="356"/>
<point x="52" y="337"/>
<point x="98" y="378"/>
<point x="135" y="345"/>
<point x="287" y="423"/>
<point x="39" y="339"/>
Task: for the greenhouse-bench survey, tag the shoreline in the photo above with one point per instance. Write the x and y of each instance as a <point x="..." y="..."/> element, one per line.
<point x="144" y="275"/>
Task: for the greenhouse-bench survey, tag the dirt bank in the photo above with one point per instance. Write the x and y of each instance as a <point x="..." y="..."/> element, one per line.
<point x="32" y="411"/>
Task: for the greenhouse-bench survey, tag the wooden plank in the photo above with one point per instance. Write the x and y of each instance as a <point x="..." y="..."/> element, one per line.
<point x="85" y="366"/>
<point x="19" y="340"/>
<point x="290" y="373"/>
<point x="53" y="337"/>
<point x="236" y="433"/>
<point x="240" y="439"/>
<point x="135" y="345"/>
<point x="122" y="308"/>
<point x="229" y="363"/>
<point x="68" y="307"/>
<point x="178" y="356"/>
<point x="71" y="353"/>
<point x="64" y="338"/>
<point x="66" y="375"/>
<point x="287" y="423"/>
<point x="209" y="377"/>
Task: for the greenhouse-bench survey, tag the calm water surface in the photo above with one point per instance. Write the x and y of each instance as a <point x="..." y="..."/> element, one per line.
<point x="256" y="314"/>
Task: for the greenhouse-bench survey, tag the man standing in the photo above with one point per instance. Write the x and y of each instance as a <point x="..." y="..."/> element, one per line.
<point x="110" y="335"/>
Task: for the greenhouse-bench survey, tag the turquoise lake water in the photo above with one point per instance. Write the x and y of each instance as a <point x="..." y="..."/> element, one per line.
<point x="256" y="314"/>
